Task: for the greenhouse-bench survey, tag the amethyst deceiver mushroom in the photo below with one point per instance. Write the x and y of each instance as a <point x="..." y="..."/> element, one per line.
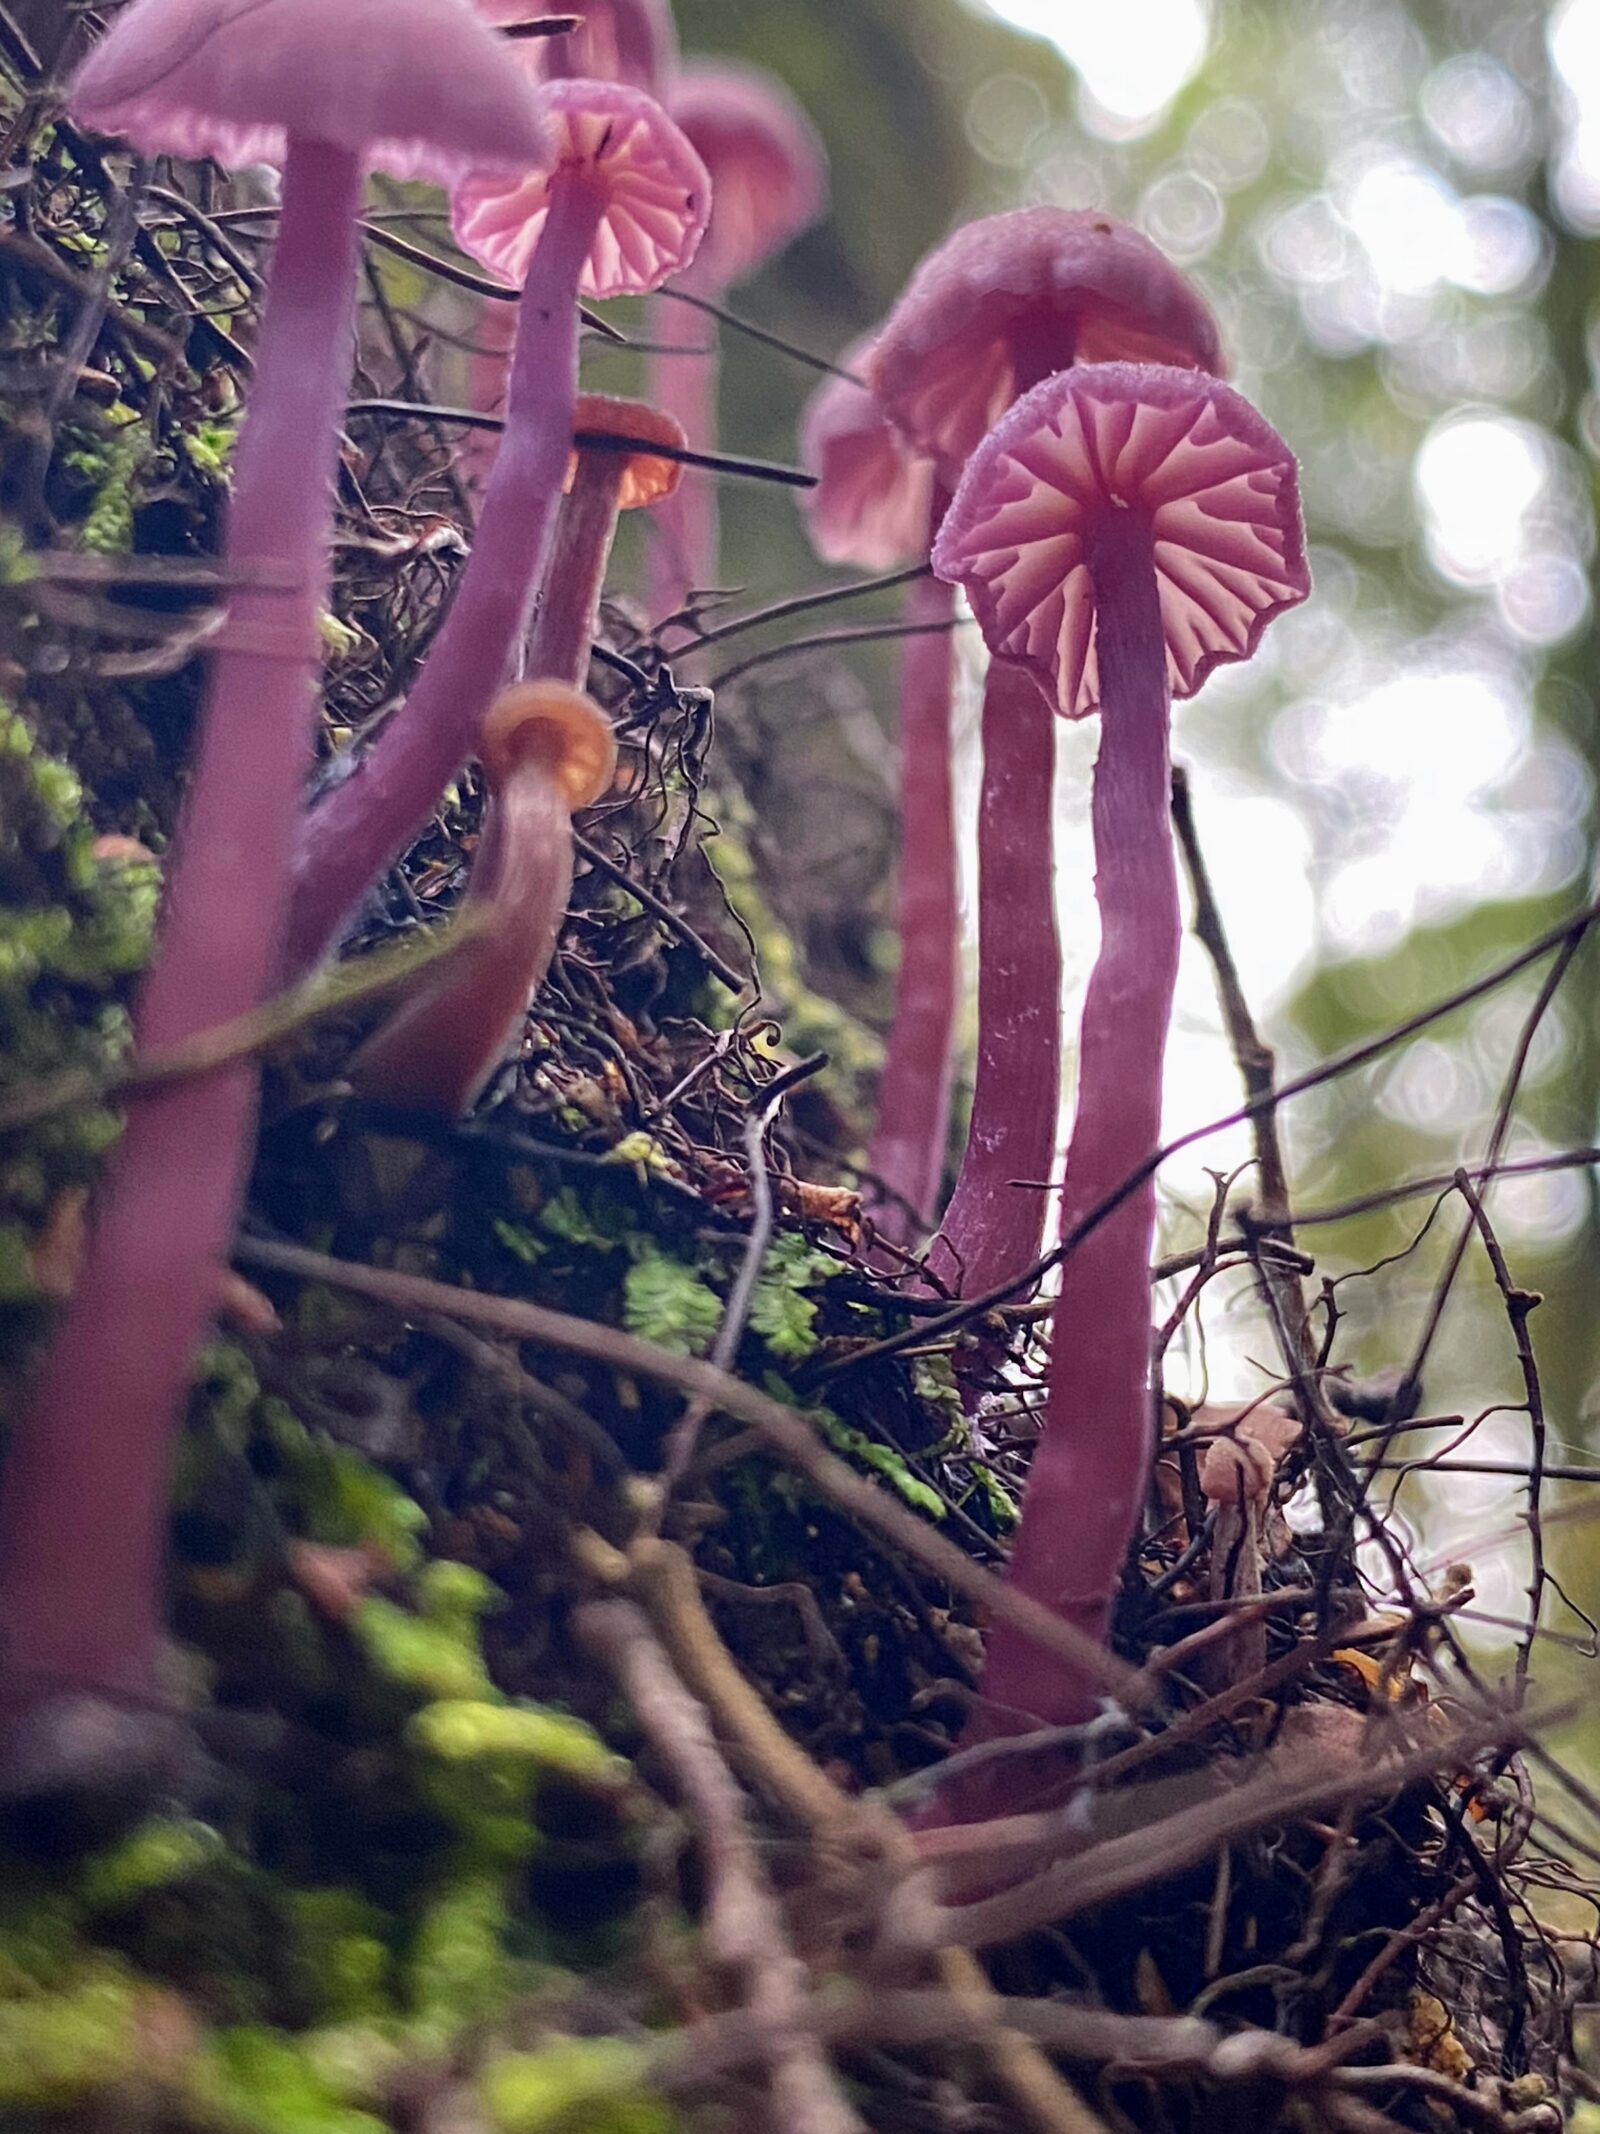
<point x="617" y="465"/>
<point x="421" y="88"/>
<point x="1002" y="305"/>
<point x="632" y="41"/>
<point x="623" y="207"/>
<point x="1125" y="529"/>
<point x="876" y="504"/>
<point x="547" y="751"/>
<point x="769" y="181"/>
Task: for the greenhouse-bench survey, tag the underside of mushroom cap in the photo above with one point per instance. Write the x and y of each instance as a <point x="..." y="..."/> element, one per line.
<point x="655" y="190"/>
<point x="646" y="476"/>
<point x="870" y="506"/>
<point x="1068" y="285"/>
<point x="769" y="170"/>
<point x="557" y="726"/>
<point x="419" y="88"/>
<point x="1215" y="480"/>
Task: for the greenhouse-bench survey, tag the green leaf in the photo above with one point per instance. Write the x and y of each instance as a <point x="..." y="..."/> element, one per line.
<point x="666" y="1302"/>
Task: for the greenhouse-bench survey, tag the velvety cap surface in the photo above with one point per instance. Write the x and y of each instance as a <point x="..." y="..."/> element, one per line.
<point x="1009" y="300"/>
<point x="870" y="506"/>
<point x="1216" y="481"/>
<point x="421" y="88"/>
<point x="769" y="170"/>
<point x="646" y="476"/>
<point x="655" y="188"/>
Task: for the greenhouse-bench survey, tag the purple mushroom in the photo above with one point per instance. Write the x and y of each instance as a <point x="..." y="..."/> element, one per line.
<point x="421" y="88"/>
<point x="769" y="178"/>
<point x="632" y="41"/>
<point x="876" y="504"/>
<point x="624" y="207"/>
<point x="1002" y="305"/>
<point x="548" y="750"/>
<point x="1125" y="529"/>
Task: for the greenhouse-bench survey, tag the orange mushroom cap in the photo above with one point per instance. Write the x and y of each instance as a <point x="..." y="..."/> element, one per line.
<point x="558" y="727"/>
<point x="646" y="476"/>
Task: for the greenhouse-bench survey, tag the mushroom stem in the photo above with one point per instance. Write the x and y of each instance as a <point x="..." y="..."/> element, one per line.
<point x="907" y="1152"/>
<point x="438" y="1050"/>
<point x="685" y="533"/>
<point x="569" y="601"/>
<point x="995" y="1220"/>
<point x="495" y="337"/>
<point x="365" y="822"/>
<point x="1085" y="1489"/>
<point x="84" y="1492"/>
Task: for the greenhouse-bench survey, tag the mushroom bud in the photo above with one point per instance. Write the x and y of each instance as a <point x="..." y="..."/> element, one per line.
<point x="616" y="466"/>
<point x="547" y="751"/>
<point x="624" y="207"/>
<point x="1125" y="529"/>
<point x="1237" y="1472"/>
<point x="421" y="88"/>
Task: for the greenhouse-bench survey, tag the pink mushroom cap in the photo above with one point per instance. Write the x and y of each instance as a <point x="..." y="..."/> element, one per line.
<point x="1010" y="299"/>
<point x="871" y="503"/>
<point x="632" y="41"/>
<point x="656" y="191"/>
<point x="769" y="169"/>
<point x="419" y="87"/>
<point x="1217" y="483"/>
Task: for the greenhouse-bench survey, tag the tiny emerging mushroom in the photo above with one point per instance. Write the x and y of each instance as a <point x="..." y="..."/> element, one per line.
<point x="616" y="466"/>
<point x="1238" y="1469"/>
<point x="624" y="206"/>
<point x="547" y="751"/>
<point x="1125" y="529"/>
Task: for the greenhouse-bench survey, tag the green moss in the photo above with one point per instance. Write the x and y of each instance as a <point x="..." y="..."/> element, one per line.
<point x="666" y="1302"/>
<point x="459" y="1973"/>
<point x="260" y="2082"/>
<point x="574" y="2086"/>
<point x="156" y="1855"/>
<point x="65" y="2047"/>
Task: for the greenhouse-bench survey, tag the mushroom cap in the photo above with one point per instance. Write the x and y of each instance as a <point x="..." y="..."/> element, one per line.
<point x="1218" y="485"/>
<point x="769" y="169"/>
<point x="873" y="495"/>
<point x="646" y="476"/>
<point x="656" y="191"/>
<point x="556" y="726"/>
<point x="1047" y="285"/>
<point x="631" y="41"/>
<point x="421" y="88"/>
<point x="1240" y="1464"/>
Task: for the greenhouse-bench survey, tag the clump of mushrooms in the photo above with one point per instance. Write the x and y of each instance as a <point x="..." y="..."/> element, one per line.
<point x="1124" y="530"/>
<point x="1004" y="304"/>
<point x="420" y="87"/>
<point x="623" y="207"/>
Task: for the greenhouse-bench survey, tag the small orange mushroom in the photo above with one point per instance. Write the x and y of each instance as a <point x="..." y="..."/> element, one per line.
<point x="616" y="466"/>
<point x="547" y="751"/>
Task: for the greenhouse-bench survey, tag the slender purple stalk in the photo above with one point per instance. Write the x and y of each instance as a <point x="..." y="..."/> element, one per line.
<point x="685" y="536"/>
<point x="1096" y="1446"/>
<point x="366" y="822"/>
<point x="993" y="1224"/>
<point x="83" y="1497"/>
<point x="914" y="1091"/>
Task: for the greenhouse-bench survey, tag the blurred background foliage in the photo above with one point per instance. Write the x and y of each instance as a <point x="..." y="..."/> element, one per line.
<point x="1391" y="204"/>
